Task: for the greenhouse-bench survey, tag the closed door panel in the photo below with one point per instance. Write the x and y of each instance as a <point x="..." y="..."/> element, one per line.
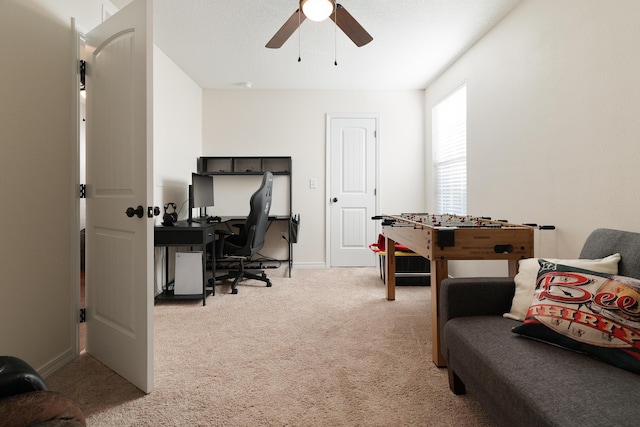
<point x="352" y="191"/>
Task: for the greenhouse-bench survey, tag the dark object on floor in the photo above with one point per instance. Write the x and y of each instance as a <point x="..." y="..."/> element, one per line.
<point x="25" y="399"/>
<point x="411" y="268"/>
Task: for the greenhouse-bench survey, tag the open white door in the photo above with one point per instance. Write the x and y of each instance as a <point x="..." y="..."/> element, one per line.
<point x="119" y="248"/>
<point x="352" y="191"/>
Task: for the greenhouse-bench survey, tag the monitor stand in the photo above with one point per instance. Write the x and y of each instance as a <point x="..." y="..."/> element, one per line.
<point x="199" y="220"/>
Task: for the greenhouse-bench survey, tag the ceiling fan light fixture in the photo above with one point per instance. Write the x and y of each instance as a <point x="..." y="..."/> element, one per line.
<point x="317" y="10"/>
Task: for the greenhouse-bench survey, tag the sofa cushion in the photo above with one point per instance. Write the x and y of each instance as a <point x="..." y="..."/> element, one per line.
<point x="528" y="272"/>
<point x="525" y="382"/>
<point x="586" y="311"/>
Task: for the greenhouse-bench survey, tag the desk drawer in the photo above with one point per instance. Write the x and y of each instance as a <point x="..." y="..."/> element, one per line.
<point x="183" y="237"/>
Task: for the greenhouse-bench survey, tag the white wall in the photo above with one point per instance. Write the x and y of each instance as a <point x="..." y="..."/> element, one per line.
<point x="177" y="131"/>
<point x="553" y="107"/>
<point x="293" y="123"/>
<point x="39" y="249"/>
<point x="177" y="140"/>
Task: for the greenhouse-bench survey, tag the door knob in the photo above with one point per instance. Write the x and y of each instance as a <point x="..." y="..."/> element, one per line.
<point x="139" y="211"/>
<point x="334" y="200"/>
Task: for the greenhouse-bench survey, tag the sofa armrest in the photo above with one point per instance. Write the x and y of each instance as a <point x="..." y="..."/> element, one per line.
<point x="475" y="296"/>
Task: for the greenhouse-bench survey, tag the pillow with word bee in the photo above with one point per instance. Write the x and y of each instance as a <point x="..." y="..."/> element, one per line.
<point x="586" y="311"/>
<point x="528" y="270"/>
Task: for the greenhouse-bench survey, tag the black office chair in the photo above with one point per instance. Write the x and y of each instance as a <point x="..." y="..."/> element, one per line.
<point x="240" y="248"/>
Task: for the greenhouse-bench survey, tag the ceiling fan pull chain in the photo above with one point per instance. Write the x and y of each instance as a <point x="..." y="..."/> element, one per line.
<point x="335" y="37"/>
<point x="299" y="36"/>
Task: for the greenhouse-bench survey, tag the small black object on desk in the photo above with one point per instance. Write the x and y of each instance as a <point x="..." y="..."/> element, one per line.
<point x="169" y="217"/>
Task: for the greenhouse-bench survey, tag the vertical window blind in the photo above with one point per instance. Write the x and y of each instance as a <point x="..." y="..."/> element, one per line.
<point x="449" y="136"/>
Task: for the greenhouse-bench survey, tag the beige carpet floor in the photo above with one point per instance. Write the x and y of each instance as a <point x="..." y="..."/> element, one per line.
<point x="322" y="348"/>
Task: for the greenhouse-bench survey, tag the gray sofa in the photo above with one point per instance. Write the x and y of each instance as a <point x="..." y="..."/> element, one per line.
<point x="523" y="382"/>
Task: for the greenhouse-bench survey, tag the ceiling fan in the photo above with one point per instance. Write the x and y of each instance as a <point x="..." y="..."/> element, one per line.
<point x="319" y="10"/>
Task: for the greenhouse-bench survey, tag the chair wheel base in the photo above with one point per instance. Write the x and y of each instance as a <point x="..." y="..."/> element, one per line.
<point x="268" y="284"/>
<point x="234" y="291"/>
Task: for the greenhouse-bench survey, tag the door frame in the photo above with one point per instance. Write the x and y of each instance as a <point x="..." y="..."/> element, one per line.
<point x="77" y="43"/>
<point x="327" y="203"/>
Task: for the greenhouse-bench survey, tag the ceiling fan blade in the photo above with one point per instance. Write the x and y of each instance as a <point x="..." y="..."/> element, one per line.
<point x="350" y="26"/>
<point x="289" y="27"/>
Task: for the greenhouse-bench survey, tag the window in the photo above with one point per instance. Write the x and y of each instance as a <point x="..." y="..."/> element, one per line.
<point x="449" y="127"/>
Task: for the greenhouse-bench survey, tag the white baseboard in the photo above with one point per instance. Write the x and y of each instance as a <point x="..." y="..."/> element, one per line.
<point x="57" y="363"/>
<point x="302" y="265"/>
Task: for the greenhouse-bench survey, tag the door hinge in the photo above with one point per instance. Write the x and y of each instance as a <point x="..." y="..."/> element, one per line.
<point x="82" y="69"/>
<point x="83" y="191"/>
<point x="83" y="315"/>
<point x="375" y="133"/>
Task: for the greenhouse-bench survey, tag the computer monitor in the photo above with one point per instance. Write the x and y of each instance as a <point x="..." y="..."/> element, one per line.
<point x="200" y="194"/>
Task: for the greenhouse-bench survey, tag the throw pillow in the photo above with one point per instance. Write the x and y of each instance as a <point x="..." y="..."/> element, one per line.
<point x="528" y="270"/>
<point x="586" y="311"/>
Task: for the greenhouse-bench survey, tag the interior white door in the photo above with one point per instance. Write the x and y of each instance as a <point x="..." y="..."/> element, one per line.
<point x="352" y="191"/>
<point x="119" y="254"/>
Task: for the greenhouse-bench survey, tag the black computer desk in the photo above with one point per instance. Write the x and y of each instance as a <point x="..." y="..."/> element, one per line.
<point x="185" y="233"/>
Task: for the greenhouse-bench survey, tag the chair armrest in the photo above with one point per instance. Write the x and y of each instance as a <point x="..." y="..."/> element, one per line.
<point x="475" y="296"/>
<point x="219" y="243"/>
<point x="250" y="239"/>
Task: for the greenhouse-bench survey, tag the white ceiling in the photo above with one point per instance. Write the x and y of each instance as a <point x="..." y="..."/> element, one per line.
<point x="220" y="43"/>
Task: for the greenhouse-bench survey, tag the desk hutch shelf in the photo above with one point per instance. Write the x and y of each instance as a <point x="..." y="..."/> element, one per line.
<point x="250" y="165"/>
<point x="244" y="165"/>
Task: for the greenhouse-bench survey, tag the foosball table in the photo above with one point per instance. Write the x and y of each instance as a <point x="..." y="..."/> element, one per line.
<point x="442" y="238"/>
